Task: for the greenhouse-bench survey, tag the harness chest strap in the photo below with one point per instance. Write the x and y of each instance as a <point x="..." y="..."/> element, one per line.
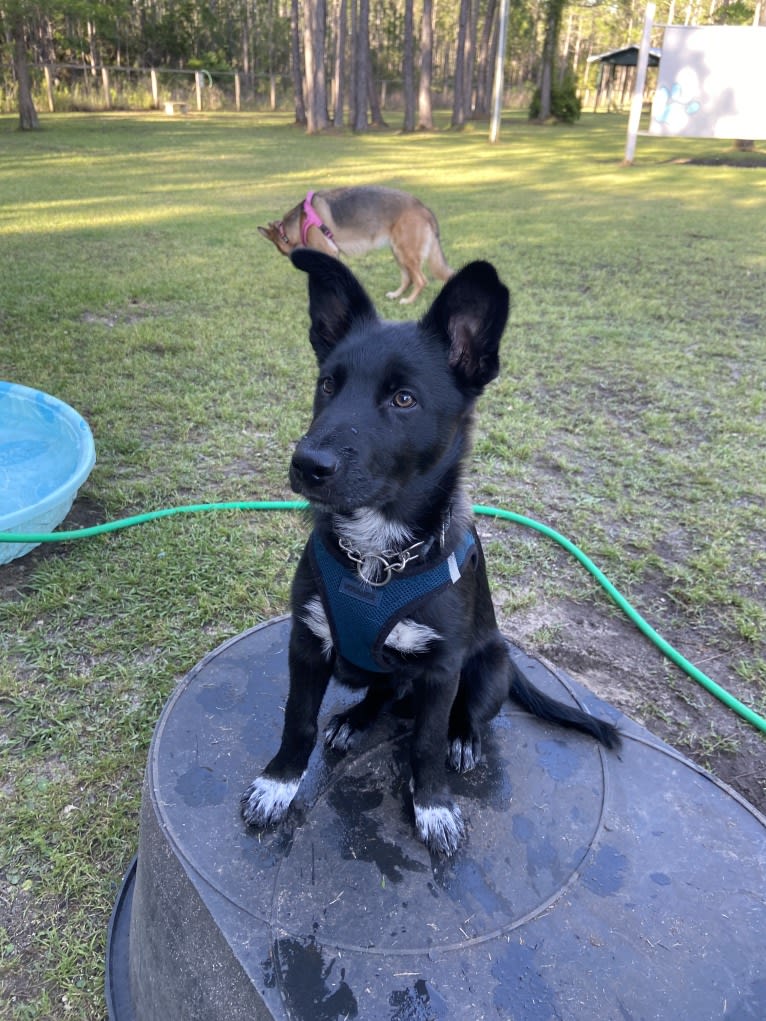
<point x="312" y="219"/>
<point x="362" y="616"/>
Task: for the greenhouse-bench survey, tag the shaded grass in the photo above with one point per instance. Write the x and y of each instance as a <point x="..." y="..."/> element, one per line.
<point x="629" y="415"/>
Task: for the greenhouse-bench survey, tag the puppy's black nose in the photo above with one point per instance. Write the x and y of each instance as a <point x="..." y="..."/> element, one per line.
<point x="313" y="466"/>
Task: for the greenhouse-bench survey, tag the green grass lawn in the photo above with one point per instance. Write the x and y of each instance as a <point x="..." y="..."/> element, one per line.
<point x="630" y="415"/>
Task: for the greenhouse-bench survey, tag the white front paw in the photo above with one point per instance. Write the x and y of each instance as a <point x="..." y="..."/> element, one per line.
<point x="441" y="827"/>
<point x="266" y="801"/>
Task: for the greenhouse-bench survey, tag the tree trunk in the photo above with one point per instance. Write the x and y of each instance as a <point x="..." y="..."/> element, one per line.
<point x="555" y="10"/>
<point x="28" y="120"/>
<point x="408" y="75"/>
<point x="361" y="66"/>
<point x="247" y="52"/>
<point x="425" y="110"/>
<point x="314" y="32"/>
<point x="376" y="113"/>
<point x="339" y="76"/>
<point x="458" y="99"/>
<point x="484" y="62"/>
<point x="295" y="63"/>
<point x="352" y="64"/>
<point x="470" y="58"/>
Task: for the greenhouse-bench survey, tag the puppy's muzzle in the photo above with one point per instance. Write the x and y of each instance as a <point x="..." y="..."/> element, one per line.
<point x="312" y="467"/>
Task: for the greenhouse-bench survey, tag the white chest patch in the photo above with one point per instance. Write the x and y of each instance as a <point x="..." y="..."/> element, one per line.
<point x="409" y="637"/>
<point x="369" y="531"/>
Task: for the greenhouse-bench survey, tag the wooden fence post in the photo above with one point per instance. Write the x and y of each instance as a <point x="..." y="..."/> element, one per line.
<point x="155" y="89"/>
<point x="105" y="84"/>
<point x="198" y="86"/>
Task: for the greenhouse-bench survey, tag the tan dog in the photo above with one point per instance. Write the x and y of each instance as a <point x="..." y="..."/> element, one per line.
<point x="352" y="221"/>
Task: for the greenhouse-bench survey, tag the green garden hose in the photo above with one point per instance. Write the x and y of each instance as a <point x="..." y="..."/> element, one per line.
<point x="267" y="505"/>
<point x="665" y="648"/>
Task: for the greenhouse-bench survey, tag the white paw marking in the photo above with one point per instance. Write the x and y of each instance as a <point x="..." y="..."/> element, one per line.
<point x="339" y="738"/>
<point x="266" y="801"/>
<point x="441" y="828"/>
<point x="409" y="637"/>
<point x="464" y="756"/>
<point x="315" y="620"/>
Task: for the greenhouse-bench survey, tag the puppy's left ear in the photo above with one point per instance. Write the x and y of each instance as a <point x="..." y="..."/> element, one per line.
<point x="470" y="314"/>
<point x="337" y="301"/>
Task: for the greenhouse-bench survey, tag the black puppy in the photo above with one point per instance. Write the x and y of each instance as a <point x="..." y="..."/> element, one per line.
<point x="391" y="593"/>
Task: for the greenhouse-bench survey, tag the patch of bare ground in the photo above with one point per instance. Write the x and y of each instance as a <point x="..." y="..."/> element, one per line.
<point x="15" y="575"/>
<point x="20" y="915"/>
<point x="603" y="650"/>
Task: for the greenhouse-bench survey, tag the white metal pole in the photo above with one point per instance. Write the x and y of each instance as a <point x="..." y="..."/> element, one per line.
<point x="498" y="80"/>
<point x="637" y="100"/>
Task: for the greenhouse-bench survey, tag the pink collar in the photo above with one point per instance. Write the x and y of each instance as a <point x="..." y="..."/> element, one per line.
<point x="311" y="219"/>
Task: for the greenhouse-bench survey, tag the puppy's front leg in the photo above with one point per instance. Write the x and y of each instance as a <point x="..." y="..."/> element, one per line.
<point x="269" y="796"/>
<point x="437" y="818"/>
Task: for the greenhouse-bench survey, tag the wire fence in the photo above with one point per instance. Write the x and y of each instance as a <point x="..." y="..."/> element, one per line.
<point x="73" y="87"/>
<point x="68" y="87"/>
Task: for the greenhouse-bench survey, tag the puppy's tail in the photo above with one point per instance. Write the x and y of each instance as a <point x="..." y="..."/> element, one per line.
<point x="547" y="708"/>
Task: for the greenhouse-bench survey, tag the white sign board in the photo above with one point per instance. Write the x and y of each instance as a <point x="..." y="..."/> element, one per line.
<point x="711" y="83"/>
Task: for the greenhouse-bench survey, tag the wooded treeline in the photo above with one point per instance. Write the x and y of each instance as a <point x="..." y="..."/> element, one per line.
<point x="340" y="57"/>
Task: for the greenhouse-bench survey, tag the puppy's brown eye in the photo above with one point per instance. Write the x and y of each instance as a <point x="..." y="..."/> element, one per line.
<point x="327" y="386"/>
<point x="403" y="399"/>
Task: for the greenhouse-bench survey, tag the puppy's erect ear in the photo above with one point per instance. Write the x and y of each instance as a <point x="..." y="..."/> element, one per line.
<point x="470" y="313"/>
<point x="337" y="301"/>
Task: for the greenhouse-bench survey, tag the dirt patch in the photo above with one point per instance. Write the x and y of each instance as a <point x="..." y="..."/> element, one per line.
<point x="604" y="651"/>
<point x="20" y="913"/>
<point x="15" y="575"/>
<point x="136" y="312"/>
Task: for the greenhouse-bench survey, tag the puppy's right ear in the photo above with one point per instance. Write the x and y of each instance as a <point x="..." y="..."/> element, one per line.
<point x="337" y="301"/>
<point x="469" y="314"/>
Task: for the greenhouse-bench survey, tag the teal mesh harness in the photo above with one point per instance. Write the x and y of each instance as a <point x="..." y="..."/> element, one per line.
<point x="361" y="616"/>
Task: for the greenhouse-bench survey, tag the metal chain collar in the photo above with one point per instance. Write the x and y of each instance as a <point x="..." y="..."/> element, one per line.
<point x="387" y="560"/>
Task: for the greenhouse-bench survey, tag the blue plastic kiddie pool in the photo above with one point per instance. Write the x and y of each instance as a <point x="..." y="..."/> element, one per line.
<point x="46" y="453"/>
